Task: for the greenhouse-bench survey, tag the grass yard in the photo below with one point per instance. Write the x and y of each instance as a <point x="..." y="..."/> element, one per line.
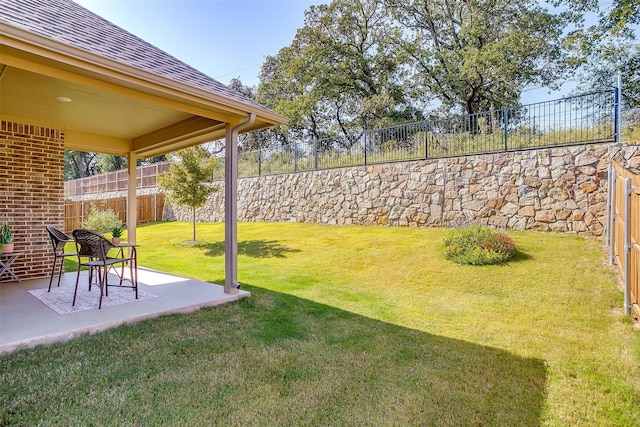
<point x="351" y="326"/>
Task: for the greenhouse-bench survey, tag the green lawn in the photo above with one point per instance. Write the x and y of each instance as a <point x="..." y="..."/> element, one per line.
<point x="351" y="326"/>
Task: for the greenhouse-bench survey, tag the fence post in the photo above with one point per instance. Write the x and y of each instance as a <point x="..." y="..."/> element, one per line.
<point x="315" y="153"/>
<point x="426" y="139"/>
<point x="364" y="147"/>
<point x="295" y="156"/>
<point x="627" y="243"/>
<point x="617" y="120"/>
<point x="505" y="121"/>
<point x="611" y="210"/>
<point x="259" y="161"/>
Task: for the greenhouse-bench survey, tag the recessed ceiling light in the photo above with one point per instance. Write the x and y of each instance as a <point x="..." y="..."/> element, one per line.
<point x="63" y="99"/>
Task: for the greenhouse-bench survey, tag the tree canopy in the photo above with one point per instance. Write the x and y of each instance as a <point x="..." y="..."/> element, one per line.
<point x="362" y="64"/>
<point x="340" y="74"/>
<point x="478" y="54"/>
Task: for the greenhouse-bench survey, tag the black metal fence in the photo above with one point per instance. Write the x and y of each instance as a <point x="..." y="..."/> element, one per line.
<point x="581" y="119"/>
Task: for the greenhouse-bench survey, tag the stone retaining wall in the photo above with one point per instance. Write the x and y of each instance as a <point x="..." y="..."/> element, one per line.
<point x="554" y="189"/>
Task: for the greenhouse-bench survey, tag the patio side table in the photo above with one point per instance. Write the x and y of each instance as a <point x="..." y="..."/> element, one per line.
<point x="6" y="260"/>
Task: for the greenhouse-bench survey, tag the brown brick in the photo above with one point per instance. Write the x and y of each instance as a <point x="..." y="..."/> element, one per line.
<point x="32" y="191"/>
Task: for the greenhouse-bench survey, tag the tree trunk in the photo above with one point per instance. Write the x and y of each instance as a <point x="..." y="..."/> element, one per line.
<point x="193" y="211"/>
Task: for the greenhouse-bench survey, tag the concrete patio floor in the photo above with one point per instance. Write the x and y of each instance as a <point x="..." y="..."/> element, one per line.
<point x="26" y="322"/>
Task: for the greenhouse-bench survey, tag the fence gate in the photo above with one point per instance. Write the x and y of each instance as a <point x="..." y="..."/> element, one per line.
<point x="623" y="231"/>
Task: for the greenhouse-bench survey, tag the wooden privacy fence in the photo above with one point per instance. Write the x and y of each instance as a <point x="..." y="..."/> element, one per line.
<point x="146" y="177"/>
<point x="624" y="230"/>
<point x="150" y="209"/>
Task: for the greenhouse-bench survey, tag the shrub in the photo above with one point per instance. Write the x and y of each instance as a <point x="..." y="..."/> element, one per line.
<point x="478" y="245"/>
<point x="102" y="221"/>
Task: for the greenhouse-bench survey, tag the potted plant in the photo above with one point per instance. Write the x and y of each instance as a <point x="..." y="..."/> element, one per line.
<point x="6" y="239"/>
<point x="116" y="233"/>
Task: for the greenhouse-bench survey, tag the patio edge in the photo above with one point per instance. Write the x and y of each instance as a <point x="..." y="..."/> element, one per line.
<point x="62" y="337"/>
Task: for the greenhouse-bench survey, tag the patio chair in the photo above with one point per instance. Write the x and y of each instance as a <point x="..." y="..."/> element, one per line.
<point x="95" y="248"/>
<point x="58" y="242"/>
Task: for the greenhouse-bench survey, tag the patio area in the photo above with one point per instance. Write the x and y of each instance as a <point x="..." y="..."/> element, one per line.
<point x="26" y="321"/>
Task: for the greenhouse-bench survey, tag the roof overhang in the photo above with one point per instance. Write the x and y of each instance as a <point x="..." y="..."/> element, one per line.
<point x="114" y="108"/>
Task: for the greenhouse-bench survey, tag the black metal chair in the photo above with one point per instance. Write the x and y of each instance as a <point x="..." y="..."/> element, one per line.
<point x="95" y="248"/>
<point x="58" y="242"/>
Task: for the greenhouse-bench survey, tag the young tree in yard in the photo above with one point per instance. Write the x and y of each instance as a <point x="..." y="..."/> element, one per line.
<point x="187" y="181"/>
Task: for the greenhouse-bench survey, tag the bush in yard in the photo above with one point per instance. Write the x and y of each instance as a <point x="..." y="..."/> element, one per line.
<point x="102" y="221"/>
<point x="478" y="245"/>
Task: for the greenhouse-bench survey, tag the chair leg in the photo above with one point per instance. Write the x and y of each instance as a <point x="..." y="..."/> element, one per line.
<point x="53" y="269"/>
<point x="121" y="273"/>
<point x="103" y="283"/>
<point x="90" y="276"/>
<point x="75" y="292"/>
<point x="106" y="283"/>
<point x="60" y="272"/>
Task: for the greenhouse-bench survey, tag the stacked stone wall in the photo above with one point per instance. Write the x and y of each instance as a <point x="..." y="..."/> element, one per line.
<point x="31" y="192"/>
<point x="554" y="189"/>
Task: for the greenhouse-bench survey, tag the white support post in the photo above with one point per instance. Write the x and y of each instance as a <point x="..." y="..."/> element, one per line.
<point x="231" y="284"/>
<point x="132" y="201"/>
<point x="230" y="211"/>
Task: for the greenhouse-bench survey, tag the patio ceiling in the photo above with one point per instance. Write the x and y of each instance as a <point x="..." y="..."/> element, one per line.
<point x="115" y="107"/>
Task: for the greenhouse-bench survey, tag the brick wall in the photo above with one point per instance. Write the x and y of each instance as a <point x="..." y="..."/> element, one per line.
<point x="31" y="192"/>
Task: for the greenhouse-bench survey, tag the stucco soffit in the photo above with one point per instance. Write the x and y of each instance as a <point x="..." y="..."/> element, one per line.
<point x="85" y="141"/>
<point x="178" y="135"/>
<point x="105" y="69"/>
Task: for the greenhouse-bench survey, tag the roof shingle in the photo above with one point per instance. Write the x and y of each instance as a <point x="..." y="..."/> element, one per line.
<point x="71" y="24"/>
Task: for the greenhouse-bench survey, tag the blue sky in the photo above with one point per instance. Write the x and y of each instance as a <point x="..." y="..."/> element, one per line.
<point x="226" y="38"/>
<point x="222" y="38"/>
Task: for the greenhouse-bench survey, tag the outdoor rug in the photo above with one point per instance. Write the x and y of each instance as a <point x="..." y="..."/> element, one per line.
<point x="60" y="298"/>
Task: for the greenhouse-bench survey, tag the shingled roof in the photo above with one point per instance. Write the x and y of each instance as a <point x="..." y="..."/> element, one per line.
<point x="68" y="23"/>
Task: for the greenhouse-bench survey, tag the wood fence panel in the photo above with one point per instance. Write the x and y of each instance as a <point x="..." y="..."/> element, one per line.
<point x="634" y="231"/>
<point x="72" y="216"/>
<point x="146" y="209"/>
<point x="619" y="220"/>
<point x="150" y="209"/>
<point x="633" y="224"/>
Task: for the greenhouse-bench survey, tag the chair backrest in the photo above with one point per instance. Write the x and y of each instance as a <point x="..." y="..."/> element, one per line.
<point x="91" y="244"/>
<point x="58" y="238"/>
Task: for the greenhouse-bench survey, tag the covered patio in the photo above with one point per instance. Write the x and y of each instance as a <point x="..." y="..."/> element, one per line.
<point x="27" y="321"/>
<point x="71" y="80"/>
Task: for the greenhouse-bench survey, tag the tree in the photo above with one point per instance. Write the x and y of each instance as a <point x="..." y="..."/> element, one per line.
<point x="187" y="181"/>
<point x="258" y="139"/>
<point x="614" y="17"/>
<point x="340" y="75"/>
<point x="109" y="163"/>
<point x="605" y="62"/>
<point x="623" y="14"/>
<point x="478" y="54"/>
<point x="79" y="164"/>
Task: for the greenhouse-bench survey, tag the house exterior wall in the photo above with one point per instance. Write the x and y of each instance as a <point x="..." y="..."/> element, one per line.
<point x="31" y="192"/>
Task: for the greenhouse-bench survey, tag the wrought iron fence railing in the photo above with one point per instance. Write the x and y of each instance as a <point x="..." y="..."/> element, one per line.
<point x="588" y="118"/>
<point x="581" y="119"/>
